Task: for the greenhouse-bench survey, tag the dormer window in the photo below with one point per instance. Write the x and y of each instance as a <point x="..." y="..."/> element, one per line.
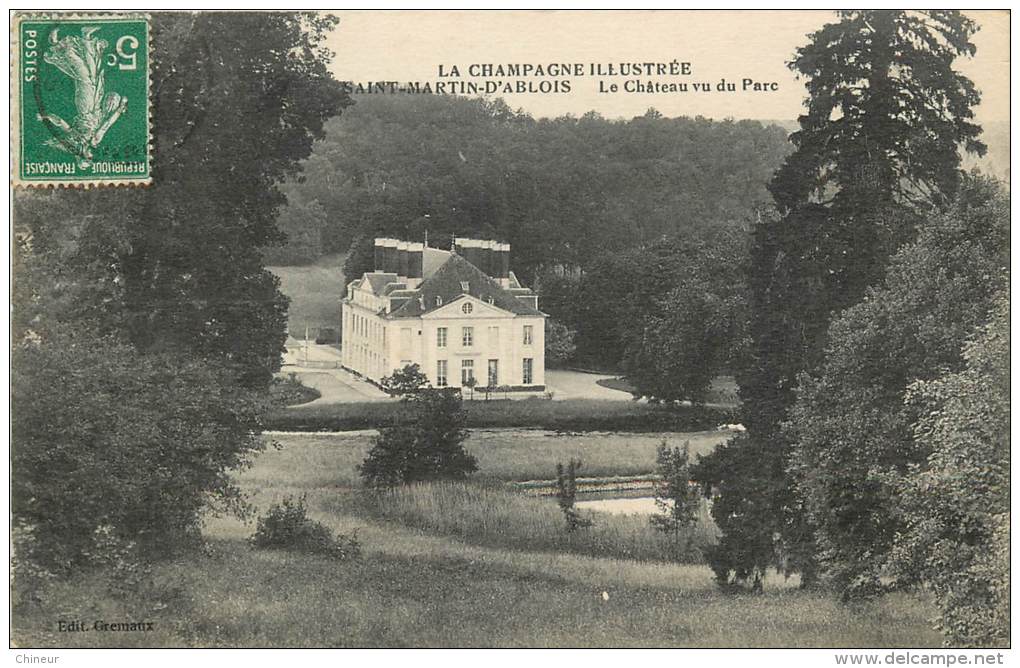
<point x="465" y="286"/>
<point x="467" y="308"/>
<point x="490" y="300"/>
<point x="439" y="300"/>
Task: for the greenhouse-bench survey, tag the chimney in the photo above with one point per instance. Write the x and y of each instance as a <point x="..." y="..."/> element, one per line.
<point x="389" y="256"/>
<point x="415" y="264"/>
<point x="377" y="261"/>
<point x="465" y="248"/>
<point x="504" y="266"/>
<point x="491" y="261"/>
<point x="403" y="259"/>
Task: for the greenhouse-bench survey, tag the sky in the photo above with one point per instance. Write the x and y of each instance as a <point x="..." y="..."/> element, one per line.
<point x="409" y="46"/>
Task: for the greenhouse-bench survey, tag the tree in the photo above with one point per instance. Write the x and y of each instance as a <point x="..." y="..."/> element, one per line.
<point x="406" y="381"/>
<point x="360" y="258"/>
<point x="566" y="494"/>
<point x="635" y="309"/>
<point x="168" y="280"/>
<point x="692" y="333"/>
<point x="559" y="343"/>
<point x="676" y="500"/>
<point x="876" y="151"/>
<point x="471" y="383"/>
<point x="879" y="143"/>
<point x="851" y="429"/>
<point x="561" y="191"/>
<point x="426" y="445"/>
<point x="955" y="507"/>
<point x="106" y="436"/>
<point x="302" y="223"/>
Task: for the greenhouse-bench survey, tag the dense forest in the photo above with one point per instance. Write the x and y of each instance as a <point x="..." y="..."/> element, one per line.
<point x="560" y="191"/>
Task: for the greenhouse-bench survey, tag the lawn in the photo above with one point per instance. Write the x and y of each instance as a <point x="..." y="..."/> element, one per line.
<point x="425" y="583"/>
<point x="314" y="291"/>
<point x="317" y="460"/>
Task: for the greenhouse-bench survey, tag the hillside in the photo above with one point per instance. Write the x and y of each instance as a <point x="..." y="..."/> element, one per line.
<point x="560" y="191"/>
<point x="314" y="291"/>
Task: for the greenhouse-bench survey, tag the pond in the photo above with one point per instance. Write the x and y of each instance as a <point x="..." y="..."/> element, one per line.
<point x="617" y="503"/>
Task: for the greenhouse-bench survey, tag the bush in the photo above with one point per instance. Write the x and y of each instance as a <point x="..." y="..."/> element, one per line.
<point x="566" y="493"/>
<point x="676" y="499"/>
<point x="428" y="446"/>
<point x="406" y="381"/>
<point x="559" y="343"/>
<point x="286" y="526"/>
<point x="291" y="391"/>
<point x="104" y="436"/>
<point x="956" y="507"/>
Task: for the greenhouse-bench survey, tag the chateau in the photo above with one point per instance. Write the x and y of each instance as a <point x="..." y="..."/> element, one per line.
<point x="458" y="314"/>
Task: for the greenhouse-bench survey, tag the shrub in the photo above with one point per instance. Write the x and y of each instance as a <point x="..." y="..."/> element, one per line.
<point x="286" y="526"/>
<point x="566" y="493"/>
<point x="291" y="391"/>
<point x="559" y="343"/>
<point x="28" y="578"/>
<point x="405" y="382"/>
<point x="956" y="507"/>
<point x="428" y="446"/>
<point x="676" y="499"/>
<point x="141" y="443"/>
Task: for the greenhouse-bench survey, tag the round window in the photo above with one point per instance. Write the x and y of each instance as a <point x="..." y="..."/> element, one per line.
<point x="467" y="308"/>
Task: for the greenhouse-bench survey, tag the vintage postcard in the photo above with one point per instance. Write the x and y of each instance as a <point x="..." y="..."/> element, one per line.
<point x="512" y="329"/>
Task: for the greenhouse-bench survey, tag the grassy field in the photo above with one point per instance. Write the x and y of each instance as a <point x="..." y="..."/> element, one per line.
<point x="569" y="415"/>
<point x="495" y="517"/>
<point x="485" y="511"/>
<point x="503" y="455"/>
<point x="314" y="291"/>
<point x="442" y="586"/>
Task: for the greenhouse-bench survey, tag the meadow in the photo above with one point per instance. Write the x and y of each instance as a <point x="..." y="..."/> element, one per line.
<point x="431" y="578"/>
<point x="314" y="291"/>
<point x="502" y="454"/>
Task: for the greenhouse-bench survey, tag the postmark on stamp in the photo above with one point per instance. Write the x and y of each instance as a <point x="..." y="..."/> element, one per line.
<point x="80" y="111"/>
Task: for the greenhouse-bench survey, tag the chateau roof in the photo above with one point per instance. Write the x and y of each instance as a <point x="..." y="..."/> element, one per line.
<point x="447" y="282"/>
<point x="379" y="280"/>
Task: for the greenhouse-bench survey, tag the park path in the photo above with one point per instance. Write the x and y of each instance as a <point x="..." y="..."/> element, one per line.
<point x="318" y="367"/>
<point x="566" y="384"/>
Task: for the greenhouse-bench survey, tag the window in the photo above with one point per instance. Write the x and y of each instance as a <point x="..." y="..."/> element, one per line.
<point x="439" y="300"/>
<point x="467" y="371"/>
<point x="467" y="336"/>
<point x="490" y="300"/>
<point x="529" y="334"/>
<point x="465" y="286"/>
<point x="493" y="336"/>
<point x="441" y="337"/>
<point x="493" y="373"/>
<point x="441" y="369"/>
<point x="467" y="308"/>
<point x="527" y="375"/>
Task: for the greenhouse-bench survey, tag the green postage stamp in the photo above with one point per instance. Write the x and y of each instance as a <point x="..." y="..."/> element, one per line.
<point x="80" y="105"/>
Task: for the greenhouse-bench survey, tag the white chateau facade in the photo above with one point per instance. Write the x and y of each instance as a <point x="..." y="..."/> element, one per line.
<point x="457" y="314"/>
